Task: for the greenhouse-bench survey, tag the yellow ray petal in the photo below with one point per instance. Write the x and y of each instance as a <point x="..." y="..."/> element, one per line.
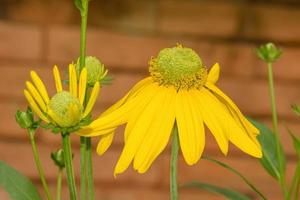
<point x="36" y="96"/>
<point x="236" y="113"/>
<point x="213" y="118"/>
<point x="34" y="106"/>
<point x="159" y="132"/>
<point x="213" y="75"/>
<point x="104" y="143"/>
<point x="55" y="118"/>
<point x="120" y="115"/>
<point x="82" y="85"/>
<point x="92" y="99"/>
<point x="72" y="80"/>
<point x="138" y="133"/>
<point x="190" y="127"/>
<point x="40" y="86"/>
<point x="57" y="79"/>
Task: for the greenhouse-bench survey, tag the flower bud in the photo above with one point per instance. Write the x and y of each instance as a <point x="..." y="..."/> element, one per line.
<point x="58" y="158"/>
<point x="268" y="52"/>
<point x="25" y="118"/>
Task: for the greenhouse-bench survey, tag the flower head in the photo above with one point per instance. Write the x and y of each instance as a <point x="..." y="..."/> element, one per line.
<point x="65" y="109"/>
<point x="179" y="91"/>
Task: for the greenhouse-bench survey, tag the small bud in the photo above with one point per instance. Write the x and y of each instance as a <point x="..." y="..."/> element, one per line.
<point x="95" y="70"/>
<point x="58" y="158"/>
<point x="25" y="118"/>
<point x="268" y="52"/>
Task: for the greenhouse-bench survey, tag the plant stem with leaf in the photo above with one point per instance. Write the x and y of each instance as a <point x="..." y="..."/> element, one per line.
<point x="275" y="130"/>
<point x="59" y="183"/>
<point x="69" y="164"/>
<point x="38" y="163"/>
<point x="173" y="165"/>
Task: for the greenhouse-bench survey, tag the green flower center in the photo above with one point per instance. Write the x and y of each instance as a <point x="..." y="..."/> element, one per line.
<point x="178" y="66"/>
<point x="65" y="109"/>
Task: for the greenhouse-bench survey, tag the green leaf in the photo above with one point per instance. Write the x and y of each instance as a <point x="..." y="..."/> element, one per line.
<point x="296" y="142"/>
<point x="17" y="186"/>
<point x="228" y="193"/>
<point x="270" y="160"/>
<point x="78" y="4"/>
<point x="296" y="109"/>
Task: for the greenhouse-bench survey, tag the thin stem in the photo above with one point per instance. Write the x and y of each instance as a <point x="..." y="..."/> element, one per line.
<point x="90" y="180"/>
<point x="59" y="183"/>
<point x="173" y="165"/>
<point x="38" y="163"/>
<point x="82" y="168"/>
<point x="275" y="129"/>
<point x="296" y="183"/>
<point x="84" y="15"/>
<point x="69" y="165"/>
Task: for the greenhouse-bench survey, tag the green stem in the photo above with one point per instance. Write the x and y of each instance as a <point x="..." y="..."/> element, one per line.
<point x="69" y="164"/>
<point x="90" y="180"/>
<point x="84" y="15"/>
<point x="38" y="163"/>
<point x="59" y="183"/>
<point x="82" y="168"/>
<point x="295" y="186"/>
<point x="276" y="131"/>
<point x="173" y="165"/>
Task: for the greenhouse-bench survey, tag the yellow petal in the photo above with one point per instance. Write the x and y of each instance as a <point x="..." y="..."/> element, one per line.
<point x="72" y="80"/>
<point x="214" y="119"/>
<point x="159" y="132"/>
<point x="92" y="99"/>
<point x="55" y="118"/>
<point x="40" y="86"/>
<point x="104" y="143"/>
<point x="190" y="126"/>
<point x="36" y="96"/>
<point x="82" y="85"/>
<point x="34" y="106"/>
<point x="138" y="132"/>
<point x="57" y="79"/>
<point x="213" y="74"/>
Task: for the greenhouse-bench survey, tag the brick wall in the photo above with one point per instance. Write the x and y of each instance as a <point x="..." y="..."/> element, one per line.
<point x="124" y="35"/>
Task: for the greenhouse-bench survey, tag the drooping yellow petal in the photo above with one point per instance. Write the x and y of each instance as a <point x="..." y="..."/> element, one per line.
<point x="214" y="73"/>
<point x="92" y="99"/>
<point x="40" y="86"/>
<point x="72" y="80"/>
<point x="36" y="96"/>
<point x="158" y="133"/>
<point x="104" y="143"/>
<point x="57" y="79"/>
<point x="236" y="113"/>
<point x="82" y="85"/>
<point x="213" y="118"/>
<point x="120" y="115"/>
<point x="34" y="106"/>
<point x="138" y="132"/>
<point x="190" y="126"/>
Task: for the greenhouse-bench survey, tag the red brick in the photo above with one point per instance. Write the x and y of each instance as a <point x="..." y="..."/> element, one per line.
<point x="19" y="41"/>
<point x="199" y="18"/>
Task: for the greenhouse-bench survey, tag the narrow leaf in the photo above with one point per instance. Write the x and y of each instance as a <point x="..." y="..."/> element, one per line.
<point x="228" y="193"/>
<point x="16" y="185"/>
<point x="296" y="109"/>
<point x="270" y="160"/>
<point x="78" y="4"/>
<point x="296" y="142"/>
<point x="226" y="166"/>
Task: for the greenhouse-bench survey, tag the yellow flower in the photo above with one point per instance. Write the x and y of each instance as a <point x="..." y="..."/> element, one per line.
<point x="179" y="91"/>
<point x="65" y="109"/>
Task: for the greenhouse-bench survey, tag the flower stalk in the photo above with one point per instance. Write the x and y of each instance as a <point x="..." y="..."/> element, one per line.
<point x="69" y="165"/>
<point x="38" y="163"/>
<point x="173" y="165"/>
<point x="59" y="183"/>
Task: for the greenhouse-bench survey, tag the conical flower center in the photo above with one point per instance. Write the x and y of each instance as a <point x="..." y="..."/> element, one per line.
<point x="180" y="67"/>
<point x="65" y="109"/>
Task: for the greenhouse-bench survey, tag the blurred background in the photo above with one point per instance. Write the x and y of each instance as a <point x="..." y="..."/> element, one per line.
<point x="124" y="34"/>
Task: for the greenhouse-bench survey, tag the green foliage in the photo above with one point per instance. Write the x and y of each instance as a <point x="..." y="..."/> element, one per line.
<point x="270" y="160"/>
<point x="296" y="109"/>
<point x="228" y="193"/>
<point x="81" y="5"/>
<point x="268" y="52"/>
<point x="17" y="186"/>
<point x="25" y="119"/>
<point x="58" y="158"/>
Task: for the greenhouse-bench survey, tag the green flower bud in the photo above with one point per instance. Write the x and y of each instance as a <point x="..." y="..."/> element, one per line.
<point x="58" y="158"/>
<point x="25" y="118"/>
<point x="268" y="52"/>
<point x="95" y="70"/>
